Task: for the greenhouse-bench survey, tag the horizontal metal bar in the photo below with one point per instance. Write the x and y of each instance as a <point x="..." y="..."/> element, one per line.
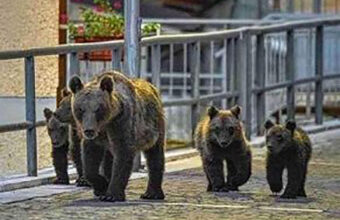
<point x="284" y="84"/>
<point x="182" y="75"/>
<point x="20" y="126"/>
<point x="190" y="101"/>
<point x="330" y="76"/>
<point x="185" y="21"/>
<point x="61" y="49"/>
<point x="310" y="23"/>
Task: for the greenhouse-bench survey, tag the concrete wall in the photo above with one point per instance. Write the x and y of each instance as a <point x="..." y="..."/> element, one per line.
<point x="26" y="24"/>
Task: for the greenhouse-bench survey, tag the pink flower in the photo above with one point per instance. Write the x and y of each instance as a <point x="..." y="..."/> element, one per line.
<point x="63" y="18"/>
<point x="98" y="8"/>
<point x="117" y="5"/>
<point x="80" y="30"/>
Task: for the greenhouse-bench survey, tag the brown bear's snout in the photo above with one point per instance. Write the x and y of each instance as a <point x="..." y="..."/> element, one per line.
<point x="89" y="134"/>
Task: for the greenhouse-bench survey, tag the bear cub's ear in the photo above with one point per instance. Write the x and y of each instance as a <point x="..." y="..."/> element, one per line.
<point x="236" y="110"/>
<point x="291" y="125"/>
<point x="268" y="124"/>
<point x="212" y="111"/>
<point x="76" y="84"/>
<point x="106" y="84"/>
<point x="65" y="93"/>
<point x="48" y="113"/>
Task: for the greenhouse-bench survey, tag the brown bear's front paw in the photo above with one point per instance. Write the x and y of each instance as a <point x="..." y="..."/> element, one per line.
<point x="302" y="193"/>
<point x="60" y="181"/>
<point x="220" y="189"/>
<point x="153" y="194"/>
<point x="232" y="188"/>
<point x="98" y="193"/>
<point x="82" y="182"/>
<point x="209" y="188"/>
<point x="287" y="196"/>
<point x="110" y="198"/>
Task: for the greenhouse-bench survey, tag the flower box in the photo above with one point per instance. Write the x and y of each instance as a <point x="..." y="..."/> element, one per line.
<point x="99" y="55"/>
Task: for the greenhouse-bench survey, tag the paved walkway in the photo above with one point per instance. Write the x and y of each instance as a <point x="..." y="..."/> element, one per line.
<point x="186" y="197"/>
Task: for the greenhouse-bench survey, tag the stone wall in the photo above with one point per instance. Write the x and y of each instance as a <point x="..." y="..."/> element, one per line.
<point x="25" y="24"/>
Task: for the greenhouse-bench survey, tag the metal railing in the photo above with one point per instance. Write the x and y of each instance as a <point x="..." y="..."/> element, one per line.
<point x="244" y="68"/>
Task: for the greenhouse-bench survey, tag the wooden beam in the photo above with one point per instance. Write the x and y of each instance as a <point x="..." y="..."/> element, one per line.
<point x="62" y="39"/>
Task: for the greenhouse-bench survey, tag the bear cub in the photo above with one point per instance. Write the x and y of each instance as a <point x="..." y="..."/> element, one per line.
<point x="288" y="147"/>
<point x="220" y="137"/>
<point x="63" y="134"/>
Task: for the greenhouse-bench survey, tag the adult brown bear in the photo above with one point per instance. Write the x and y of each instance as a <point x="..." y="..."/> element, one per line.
<point x="124" y="116"/>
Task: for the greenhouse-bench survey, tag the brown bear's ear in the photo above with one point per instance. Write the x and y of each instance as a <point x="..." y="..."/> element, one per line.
<point x="212" y="111"/>
<point x="76" y="84"/>
<point x="48" y="113"/>
<point x="65" y="93"/>
<point x="291" y="125"/>
<point x="236" y="110"/>
<point x="106" y="84"/>
<point x="268" y="124"/>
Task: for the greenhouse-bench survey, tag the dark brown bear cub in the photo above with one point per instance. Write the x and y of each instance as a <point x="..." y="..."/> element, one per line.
<point x="220" y="137"/>
<point x="287" y="147"/>
<point x="63" y="133"/>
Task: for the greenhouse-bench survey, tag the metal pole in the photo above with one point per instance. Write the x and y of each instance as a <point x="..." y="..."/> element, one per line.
<point x="132" y="49"/>
<point x="290" y="71"/>
<point x="31" y="138"/>
<point x="317" y="6"/>
<point x="132" y="38"/>
<point x="319" y="74"/>
<point x="290" y="6"/>
<point x="195" y="55"/>
<point x="260" y="83"/>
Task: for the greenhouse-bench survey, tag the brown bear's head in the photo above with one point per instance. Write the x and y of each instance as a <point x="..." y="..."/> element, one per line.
<point x="225" y="126"/>
<point x="93" y="106"/>
<point x="64" y="112"/>
<point x="279" y="137"/>
<point x="57" y="130"/>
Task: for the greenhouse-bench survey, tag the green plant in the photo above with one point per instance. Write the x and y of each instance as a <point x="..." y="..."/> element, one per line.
<point x="103" y="21"/>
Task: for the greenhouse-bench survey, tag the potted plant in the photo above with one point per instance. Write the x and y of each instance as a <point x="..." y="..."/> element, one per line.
<point x="102" y="23"/>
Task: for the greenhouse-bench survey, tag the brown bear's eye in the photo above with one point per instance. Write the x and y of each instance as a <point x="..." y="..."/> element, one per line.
<point x="231" y="130"/>
<point x="279" y="137"/>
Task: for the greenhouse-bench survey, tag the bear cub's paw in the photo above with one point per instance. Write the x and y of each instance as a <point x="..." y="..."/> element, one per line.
<point x="82" y="182"/>
<point x="153" y="194"/>
<point x="60" y="181"/>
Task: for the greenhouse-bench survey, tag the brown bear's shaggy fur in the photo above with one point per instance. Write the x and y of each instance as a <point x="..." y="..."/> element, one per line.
<point x="124" y="116"/>
<point x="287" y="147"/>
<point x="220" y="137"/>
<point x="63" y="133"/>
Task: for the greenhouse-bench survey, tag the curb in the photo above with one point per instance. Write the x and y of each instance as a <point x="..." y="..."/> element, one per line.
<point x="46" y="176"/>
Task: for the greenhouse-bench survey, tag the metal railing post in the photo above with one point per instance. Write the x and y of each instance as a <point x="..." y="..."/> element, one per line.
<point x="31" y="137"/>
<point x="195" y="55"/>
<point x="260" y="83"/>
<point x="290" y="77"/>
<point x="248" y="86"/>
<point x="319" y="73"/>
<point x="230" y="70"/>
<point x="244" y="79"/>
<point x="317" y="5"/>
<point x="74" y="64"/>
<point x="156" y="65"/>
<point x="132" y="38"/>
<point x="116" y="58"/>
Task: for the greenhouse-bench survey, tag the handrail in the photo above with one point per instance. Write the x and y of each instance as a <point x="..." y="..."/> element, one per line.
<point x="199" y="21"/>
<point x="163" y="39"/>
